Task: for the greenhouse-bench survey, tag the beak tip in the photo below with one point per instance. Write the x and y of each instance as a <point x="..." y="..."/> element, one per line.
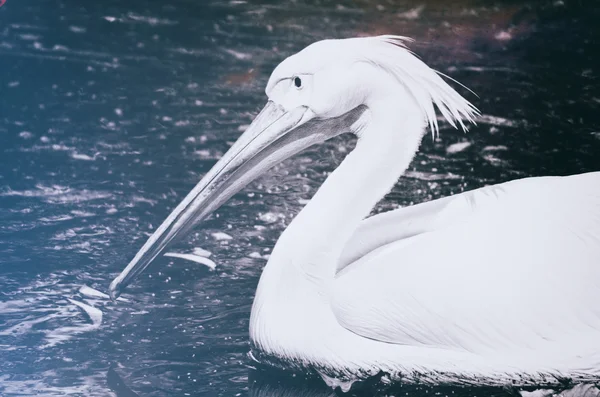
<point x="114" y="290"/>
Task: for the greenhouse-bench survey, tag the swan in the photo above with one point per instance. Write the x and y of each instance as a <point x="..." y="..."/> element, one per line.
<point x="492" y="286"/>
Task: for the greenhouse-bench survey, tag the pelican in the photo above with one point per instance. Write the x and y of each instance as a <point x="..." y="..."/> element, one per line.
<point x="492" y="286"/>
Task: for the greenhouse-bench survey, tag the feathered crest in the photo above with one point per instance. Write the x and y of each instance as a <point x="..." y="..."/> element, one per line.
<point x="424" y="84"/>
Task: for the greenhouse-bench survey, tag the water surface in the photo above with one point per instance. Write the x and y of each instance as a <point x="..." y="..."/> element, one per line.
<point x="111" y="111"/>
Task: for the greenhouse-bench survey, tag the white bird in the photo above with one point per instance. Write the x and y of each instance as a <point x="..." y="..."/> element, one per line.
<point x="493" y="286"/>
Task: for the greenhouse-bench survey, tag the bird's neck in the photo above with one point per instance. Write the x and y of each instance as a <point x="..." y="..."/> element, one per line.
<point x="295" y="284"/>
<point x="388" y="141"/>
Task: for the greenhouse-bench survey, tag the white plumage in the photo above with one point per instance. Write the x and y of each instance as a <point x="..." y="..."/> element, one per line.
<point x="493" y="286"/>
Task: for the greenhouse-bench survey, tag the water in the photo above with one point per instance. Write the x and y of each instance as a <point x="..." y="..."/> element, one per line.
<point x="111" y="111"/>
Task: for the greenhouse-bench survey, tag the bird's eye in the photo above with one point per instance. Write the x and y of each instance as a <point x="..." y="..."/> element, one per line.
<point x="297" y="82"/>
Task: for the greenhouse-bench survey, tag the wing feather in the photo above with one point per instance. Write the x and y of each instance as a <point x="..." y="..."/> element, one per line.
<point x="388" y="227"/>
<point x="512" y="266"/>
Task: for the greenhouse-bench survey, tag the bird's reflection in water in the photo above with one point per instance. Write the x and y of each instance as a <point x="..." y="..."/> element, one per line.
<point x="277" y="383"/>
<point x="270" y="382"/>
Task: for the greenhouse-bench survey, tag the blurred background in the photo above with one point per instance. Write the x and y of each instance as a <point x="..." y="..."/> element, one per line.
<point x="111" y="111"/>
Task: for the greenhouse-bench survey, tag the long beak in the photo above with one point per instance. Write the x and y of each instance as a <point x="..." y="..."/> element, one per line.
<point x="273" y="136"/>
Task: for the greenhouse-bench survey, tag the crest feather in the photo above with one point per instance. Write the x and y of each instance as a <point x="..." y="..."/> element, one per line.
<point x="424" y="84"/>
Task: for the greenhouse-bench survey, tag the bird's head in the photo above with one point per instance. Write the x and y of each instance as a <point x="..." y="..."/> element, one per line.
<point x="332" y="77"/>
<point x="316" y="94"/>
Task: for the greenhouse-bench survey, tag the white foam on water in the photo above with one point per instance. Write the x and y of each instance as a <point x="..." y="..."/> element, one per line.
<point x="202" y="252"/>
<point x="220" y="236"/>
<point x="457" y="147"/>
<point x="94" y="293"/>
<point x="93" y="313"/>
<point x="63" y="334"/>
<point x="494" y="148"/>
<point x="194" y="258"/>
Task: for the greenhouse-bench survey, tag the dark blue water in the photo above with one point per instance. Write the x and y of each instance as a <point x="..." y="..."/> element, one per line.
<point x="111" y="111"/>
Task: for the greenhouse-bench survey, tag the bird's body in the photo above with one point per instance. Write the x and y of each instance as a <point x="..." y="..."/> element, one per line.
<point x="497" y="285"/>
<point x="488" y="287"/>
